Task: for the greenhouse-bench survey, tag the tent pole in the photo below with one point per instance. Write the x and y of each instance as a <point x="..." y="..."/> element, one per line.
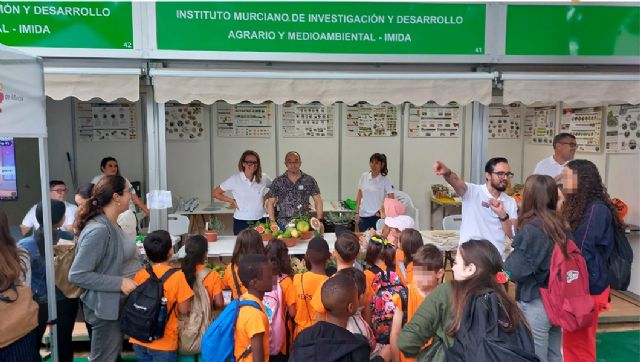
<point x="48" y="244"/>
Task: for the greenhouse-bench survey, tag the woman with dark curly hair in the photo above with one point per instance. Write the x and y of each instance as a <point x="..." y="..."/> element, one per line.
<point x="592" y="219"/>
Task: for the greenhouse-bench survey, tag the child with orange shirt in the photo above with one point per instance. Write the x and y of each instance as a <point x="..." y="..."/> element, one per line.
<point x="410" y="242"/>
<point x="251" y="334"/>
<point x="305" y="284"/>
<point x="159" y="250"/>
<point x="429" y="268"/>
<point x="248" y="242"/>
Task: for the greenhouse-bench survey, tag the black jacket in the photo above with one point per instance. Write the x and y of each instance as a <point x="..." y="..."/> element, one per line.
<point x="327" y="342"/>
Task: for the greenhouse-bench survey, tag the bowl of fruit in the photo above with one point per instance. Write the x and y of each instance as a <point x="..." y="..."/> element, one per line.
<point x="268" y="230"/>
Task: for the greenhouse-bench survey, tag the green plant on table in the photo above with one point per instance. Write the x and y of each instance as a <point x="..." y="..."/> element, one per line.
<point x="215" y="224"/>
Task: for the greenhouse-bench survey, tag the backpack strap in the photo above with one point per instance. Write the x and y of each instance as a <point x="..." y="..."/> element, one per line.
<point x="235" y="281"/>
<point x="376" y="269"/>
<point x="404" y="301"/>
<point x="584" y="237"/>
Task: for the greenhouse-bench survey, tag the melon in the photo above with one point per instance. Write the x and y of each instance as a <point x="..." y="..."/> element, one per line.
<point x="295" y="233"/>
<point x="302" y="226"/>
<point x="274" y="227"/>
<point x="260" y="229"/>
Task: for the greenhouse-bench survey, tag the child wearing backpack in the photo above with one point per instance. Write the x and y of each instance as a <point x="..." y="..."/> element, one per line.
<point x="357" y="323"/>
<point x="472" y="315"/>
<point x="540" y="230"/>
<point x="175" y="292"/>
<point x="280" y="302"/>
<point x="410" y="241"/>
<point x="248" y="242"/>
<point x="305" y="284"/>
<point x="428" y="264"/>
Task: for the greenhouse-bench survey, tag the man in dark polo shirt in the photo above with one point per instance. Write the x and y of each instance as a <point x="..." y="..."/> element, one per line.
<point x="289" y="193"/>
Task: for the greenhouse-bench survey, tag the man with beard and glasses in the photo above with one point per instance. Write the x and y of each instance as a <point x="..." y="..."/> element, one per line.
<point x="487" y="212"/>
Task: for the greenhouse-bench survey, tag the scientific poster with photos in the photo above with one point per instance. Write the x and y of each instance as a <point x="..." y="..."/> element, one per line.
<point x="540" y="125"/>
<point x="505" y="121"/>
<point x="184" y="122"/>
<point x="432" y="120"/>
<point x="585" y="124"/>
<point x="366" y="120"/>
<point x="106" y="122"/>
<point x="245" y="120"/>
<point x="622" y="129"/>
<point x="307" y="120"/>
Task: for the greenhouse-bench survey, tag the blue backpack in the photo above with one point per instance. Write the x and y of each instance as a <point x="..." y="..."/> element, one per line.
<point x="218" y="340"/>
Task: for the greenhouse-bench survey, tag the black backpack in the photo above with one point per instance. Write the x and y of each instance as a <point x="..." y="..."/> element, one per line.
<point x="142" y="316"/>
<point x="619" y="263"/>
<point x="482" y="336"/>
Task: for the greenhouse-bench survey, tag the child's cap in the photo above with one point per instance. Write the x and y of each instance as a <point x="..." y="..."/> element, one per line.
<point x="400" y="222"/>
<point x="393" y="207"/>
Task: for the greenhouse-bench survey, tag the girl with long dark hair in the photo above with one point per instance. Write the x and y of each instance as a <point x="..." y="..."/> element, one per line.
<point x="373" y="187"/>
<point x="196" y="248"/>
<point x="248" y="242"/>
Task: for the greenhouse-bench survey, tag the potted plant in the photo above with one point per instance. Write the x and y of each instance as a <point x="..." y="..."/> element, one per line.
<point x="212" y="228"/>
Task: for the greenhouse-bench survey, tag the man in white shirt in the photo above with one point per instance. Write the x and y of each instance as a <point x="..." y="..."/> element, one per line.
<point x="564" y="149"/>
<point x="487" y="212"/>
<point x="57" y="191"/>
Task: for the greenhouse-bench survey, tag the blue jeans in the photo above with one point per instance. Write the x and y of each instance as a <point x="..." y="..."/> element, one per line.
<point x="239" y="225"/>
<point x="144" y="354"/>
<point x="546" y="338"/>
<point x="367" y="222"/>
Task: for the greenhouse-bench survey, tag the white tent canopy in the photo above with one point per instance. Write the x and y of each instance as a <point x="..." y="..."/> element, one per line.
<point x="209" y="86"/>
<point x="107" y="84"/>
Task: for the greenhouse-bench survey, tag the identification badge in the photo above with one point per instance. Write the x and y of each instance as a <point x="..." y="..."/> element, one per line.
<point x="485" y="204"/>
<point x="300" y="187"/>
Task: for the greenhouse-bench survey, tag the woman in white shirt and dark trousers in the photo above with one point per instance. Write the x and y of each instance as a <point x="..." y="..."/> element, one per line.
<point x="247" y="188"/>
<point x="373" y="187"/>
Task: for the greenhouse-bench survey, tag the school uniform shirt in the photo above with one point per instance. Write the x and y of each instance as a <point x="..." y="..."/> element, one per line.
<point x="249" y="323"/>
<point x="374" y="190"/>
<point x="305" y="285"/>
<point x="69" y="217"/>
<point x="229" y="283"/>
<point x="248" y="195"/>
<point x="288" y="299"/>
<point x="405" y="272"/>
<point x="177" y="291"/>
<point x="212" y="282"/>
<point x="479" y="221"/>
<point x="549" y="167"/>
<point x="414" y="299"/>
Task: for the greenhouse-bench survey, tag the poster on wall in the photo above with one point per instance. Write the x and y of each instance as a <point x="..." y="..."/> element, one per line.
<point x="585" y="124"/>
<point x="184" y="122"/>
<point x="540" y="125"/>
<point x="622" y="130"/>
<point x="245" y="120"/>
<point x="106" y="122"/>
<point x="307" y="120"/>
<point x="366" y="120"/>
<point x="434" y="121"/>
<point x="505" y="121"/>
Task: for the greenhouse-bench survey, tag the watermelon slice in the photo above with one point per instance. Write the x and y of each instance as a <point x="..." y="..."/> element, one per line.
<point x="274" y="227"/>
<point x="260" y="229"/>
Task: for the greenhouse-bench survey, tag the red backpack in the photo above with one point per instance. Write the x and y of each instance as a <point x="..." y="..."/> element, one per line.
<point x="566" y="299"/>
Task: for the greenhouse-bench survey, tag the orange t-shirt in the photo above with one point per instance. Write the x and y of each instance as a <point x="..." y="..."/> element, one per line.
<point x="227" y="281"/>
<point x="289" y="299"/>
<point x="305" y="286"/>
<point x="212" y="282"/>
<point x="414" y="299"/>
<point x="408" y="268"/>
<point x="176" y="290"/>
<point x="249" y="323"/>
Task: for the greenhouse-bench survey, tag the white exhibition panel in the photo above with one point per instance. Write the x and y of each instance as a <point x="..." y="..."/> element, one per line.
<point x="87" y="86"/>
<point x="511" y="149"/>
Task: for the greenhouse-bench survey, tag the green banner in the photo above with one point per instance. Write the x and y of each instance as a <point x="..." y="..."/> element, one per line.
<point x="322" y="27"/>
<point x="70" y="24"/>
<point x="559" y="30"/>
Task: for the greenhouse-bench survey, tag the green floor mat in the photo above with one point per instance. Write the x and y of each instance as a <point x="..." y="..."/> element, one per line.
<point x="618" y="346"/>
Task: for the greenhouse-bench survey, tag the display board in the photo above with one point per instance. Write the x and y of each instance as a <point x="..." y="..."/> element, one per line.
<point x="184" y="122"/>
<point x="106" y="122"/>
<point x="307" y="120"/>
<point x="366" y="120"/>
<point x="245" y="120"/>
<point x="622" y="131"/>
<point x="585" y="124"/>
<point x="540" y="124"/>
<point x="432" y="120"/>
<point x="506" y="121"/>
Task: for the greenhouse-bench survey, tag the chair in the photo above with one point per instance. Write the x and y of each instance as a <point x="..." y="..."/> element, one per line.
<point x="412" y="211"/>
<point x="452" y="222"/>
<point x="379" y="225"/>
<point x="178" y="224"/>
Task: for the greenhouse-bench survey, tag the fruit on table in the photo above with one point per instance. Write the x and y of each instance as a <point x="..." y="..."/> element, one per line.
<point x="260" y="229"/>
<point x="274" y="227"/>
<point x="295" y="233"/>
<point x="303" y="226"/>
<point x="315" y="223"/>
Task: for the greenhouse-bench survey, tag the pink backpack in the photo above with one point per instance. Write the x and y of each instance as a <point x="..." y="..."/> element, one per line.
<point x="566" y="299"/>
<point x="274" y="306"/>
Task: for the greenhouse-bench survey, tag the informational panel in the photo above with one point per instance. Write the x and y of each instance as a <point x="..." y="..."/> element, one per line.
<point x="367" y="120"/>
<point x="622" y="131"/>
<point x="540" y="125"/>
<point x="106" y="122"/>
<point x="8" y="183"/>
<point x="432" y="120"/>
<point x="585" y="124"/>
<point x="307" y="120"/>
<point x="505" y="121"/>
<point x="245" y="120"/>
<point x="185" y="122"/>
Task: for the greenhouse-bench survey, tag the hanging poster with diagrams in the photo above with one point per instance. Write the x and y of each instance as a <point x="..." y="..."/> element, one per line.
<point x="540" y="125"/>
<point x="307" y="120"/>
<point x="585" y="124"/>
<point x="432" y="120"/>
<point x="622" y="129"/>
<point x="505" y="121"/>
<point x="106" y="122"/>
<point x="366" y="120"/>
<point x="245" y="120"/>
<point x="184" y="122"/>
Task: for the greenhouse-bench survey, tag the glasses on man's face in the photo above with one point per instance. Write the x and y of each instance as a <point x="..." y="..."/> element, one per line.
<point x="251" y="162"/>
<point x="571" y="144"/>
<point x="502" y="174"/>
<point x="292" y="162"/>
<point x="60" y="191"/>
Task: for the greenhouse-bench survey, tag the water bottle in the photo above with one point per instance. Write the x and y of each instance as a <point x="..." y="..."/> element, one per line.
<point x="161" y="320"/>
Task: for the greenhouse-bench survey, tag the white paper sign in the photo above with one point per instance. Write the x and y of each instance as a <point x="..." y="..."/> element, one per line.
<point x="159" y="199"/>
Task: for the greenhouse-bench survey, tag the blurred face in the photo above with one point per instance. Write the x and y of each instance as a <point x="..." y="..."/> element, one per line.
<point x="394" y="236"/>
<point x="569" y="180"/>
<point x="461" y="271"/>
<point x="375" y="166"/>
<point x="58" y="192"/>
<point x="293" y="163"/>
<point x="426" y="280"/>
<point x="123" y="199"/>
<point x="79" y="200"/>
<point x="566" y="148"/>
<point x="110" y="169"/>
<point x="250" y="164"/>
<point x="499" y="177"/>
<point x="266" y="281"/>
